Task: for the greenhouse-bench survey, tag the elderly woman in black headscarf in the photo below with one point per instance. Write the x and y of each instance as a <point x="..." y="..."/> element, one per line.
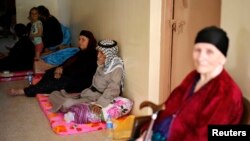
<point x="107" y="83"/>
<point x="74" y="75"/>
<point x="207" y="96"/>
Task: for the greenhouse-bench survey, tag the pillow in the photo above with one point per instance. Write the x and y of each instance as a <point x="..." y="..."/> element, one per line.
<point x="120" y="106"/>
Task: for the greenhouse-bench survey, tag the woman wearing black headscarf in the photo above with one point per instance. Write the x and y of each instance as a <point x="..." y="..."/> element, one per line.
<point x="207" y="96"/>
<point x="74" y="75"/>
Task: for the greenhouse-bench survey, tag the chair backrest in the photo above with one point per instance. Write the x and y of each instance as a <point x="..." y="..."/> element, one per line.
<point x="139" y="122"/>
<point x="246" y="113"/>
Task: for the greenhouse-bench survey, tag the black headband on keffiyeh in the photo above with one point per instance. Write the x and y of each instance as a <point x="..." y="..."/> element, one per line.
<point x="109" y="48"/>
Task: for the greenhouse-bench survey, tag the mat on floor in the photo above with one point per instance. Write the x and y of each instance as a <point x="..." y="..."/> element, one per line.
<point x="17" y="75"/>
<point x="59" y="125"/>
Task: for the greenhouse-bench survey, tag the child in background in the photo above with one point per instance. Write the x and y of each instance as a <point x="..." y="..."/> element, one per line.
<point x="36" y="32"/>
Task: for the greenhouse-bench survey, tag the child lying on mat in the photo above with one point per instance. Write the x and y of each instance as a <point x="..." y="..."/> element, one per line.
<point x="107" y="84"/>
<point x="82" y="113"/>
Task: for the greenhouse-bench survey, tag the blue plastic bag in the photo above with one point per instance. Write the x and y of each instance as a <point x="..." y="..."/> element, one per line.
<point x="58" y="57"/>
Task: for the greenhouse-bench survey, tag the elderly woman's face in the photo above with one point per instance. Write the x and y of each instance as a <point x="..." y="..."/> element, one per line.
<point x="207" y="58"/>
<point x="83" y="42"/>
<point x="100" y="58"/>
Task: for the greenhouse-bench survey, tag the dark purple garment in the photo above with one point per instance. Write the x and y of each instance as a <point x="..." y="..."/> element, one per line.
<point x="81" y="112"/>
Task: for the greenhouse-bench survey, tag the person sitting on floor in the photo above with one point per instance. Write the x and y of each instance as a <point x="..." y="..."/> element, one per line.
<point x="107" y="83"/>
<point x="21" y="55"/>
<point x="74" y="75"/>
<point x="208" y="95"/>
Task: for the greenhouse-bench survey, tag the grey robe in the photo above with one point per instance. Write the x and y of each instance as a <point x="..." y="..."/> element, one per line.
<point x="107" y="85"/>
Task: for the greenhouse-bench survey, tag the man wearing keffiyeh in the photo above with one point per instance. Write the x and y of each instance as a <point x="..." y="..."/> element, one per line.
<point x="107" y="84"/>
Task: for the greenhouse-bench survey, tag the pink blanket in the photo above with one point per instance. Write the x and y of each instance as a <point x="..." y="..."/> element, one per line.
<point x="59" y="125"/>
<point x="12" y="76"/>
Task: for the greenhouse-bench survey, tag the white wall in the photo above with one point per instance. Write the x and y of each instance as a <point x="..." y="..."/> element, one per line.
<point x="154" y="51"/>
<point x="58" y="8"/>
<point x="237" y="26"/>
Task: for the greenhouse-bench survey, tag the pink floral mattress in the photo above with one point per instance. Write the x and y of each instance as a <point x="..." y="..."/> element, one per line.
<point x="59" y="125"/>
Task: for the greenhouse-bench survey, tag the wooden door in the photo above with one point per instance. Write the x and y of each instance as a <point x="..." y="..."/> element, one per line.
<point x="182" y="19"/>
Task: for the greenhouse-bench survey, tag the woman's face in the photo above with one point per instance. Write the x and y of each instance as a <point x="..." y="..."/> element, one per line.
<point x="83" y="42"/>
<point x="207" y="58"/>
<point x="101" y="58"/>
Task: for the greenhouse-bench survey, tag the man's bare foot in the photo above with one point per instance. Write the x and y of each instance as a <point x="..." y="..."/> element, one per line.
<point x="16" y="92"/>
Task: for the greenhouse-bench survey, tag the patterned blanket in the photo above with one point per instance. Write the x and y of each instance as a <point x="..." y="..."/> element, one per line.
<point x="59" y="125"/>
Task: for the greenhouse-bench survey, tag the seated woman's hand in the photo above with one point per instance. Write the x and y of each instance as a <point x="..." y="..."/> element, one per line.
<point x="58" y="72"/>
<point x="96" y="109"/>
